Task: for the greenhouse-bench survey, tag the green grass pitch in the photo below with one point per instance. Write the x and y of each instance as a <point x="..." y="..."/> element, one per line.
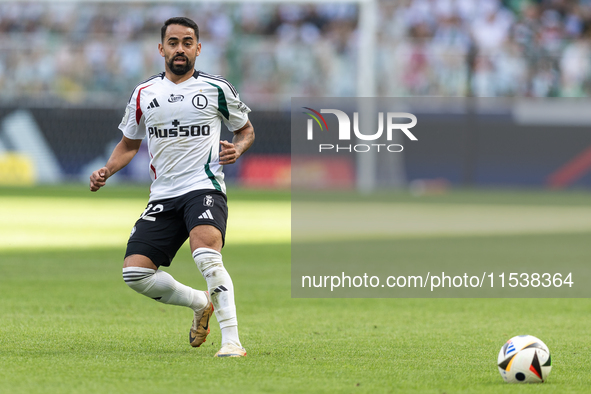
<point x="69" y="324"/>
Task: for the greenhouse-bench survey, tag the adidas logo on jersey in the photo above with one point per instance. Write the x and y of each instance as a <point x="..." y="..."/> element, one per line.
<point x="206" y="215"/>
<point x="153" y="104"/>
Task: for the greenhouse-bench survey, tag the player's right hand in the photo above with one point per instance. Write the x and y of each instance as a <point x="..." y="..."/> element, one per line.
<point x="99" y="178"/>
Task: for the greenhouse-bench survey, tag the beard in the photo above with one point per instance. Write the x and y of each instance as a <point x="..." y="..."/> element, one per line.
<point x="180" y="69"/>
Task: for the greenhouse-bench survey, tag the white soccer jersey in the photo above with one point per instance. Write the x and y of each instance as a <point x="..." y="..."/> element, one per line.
<point x="183" y="125"/>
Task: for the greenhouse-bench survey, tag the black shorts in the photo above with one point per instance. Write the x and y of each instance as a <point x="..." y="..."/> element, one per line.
<point x="165" y="224"/>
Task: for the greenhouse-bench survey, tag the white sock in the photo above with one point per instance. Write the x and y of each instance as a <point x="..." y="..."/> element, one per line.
<point x="230" y="335"/>
<point x="221" y="291"/>
<point x="162" y="287"/>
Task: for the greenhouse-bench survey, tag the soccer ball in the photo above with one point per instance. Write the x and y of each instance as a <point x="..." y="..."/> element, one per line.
<point x="524" y="359"/>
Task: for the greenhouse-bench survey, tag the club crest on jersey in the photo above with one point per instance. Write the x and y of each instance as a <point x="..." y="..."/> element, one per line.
<point x="175" y="98"/>
<point x="199" y="101"/>
<point x="208" y="201"/>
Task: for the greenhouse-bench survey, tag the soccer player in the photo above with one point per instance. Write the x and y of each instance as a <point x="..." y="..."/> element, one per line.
<point x="182" y="110"/>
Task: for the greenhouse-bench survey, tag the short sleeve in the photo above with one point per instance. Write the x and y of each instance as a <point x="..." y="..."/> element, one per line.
<point x="238" y="113"/>
<point x="234" y="112"/>
<point x="130" y="124"/>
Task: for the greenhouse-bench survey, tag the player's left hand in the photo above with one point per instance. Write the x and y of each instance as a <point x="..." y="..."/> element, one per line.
<point x="229" y="154"/>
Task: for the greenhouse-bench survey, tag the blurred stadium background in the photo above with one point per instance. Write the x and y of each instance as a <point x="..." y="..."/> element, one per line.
<point x="67" y="68"/>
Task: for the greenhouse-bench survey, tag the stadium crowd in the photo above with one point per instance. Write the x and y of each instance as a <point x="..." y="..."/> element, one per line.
<point x="79" y="52"/>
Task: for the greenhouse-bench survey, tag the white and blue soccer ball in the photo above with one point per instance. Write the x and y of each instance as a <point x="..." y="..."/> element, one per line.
<point x="524" y="359"/>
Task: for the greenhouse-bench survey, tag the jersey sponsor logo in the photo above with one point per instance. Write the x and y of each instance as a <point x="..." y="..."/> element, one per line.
<point x="175" y="98"/>
<point x="208" y="201"/>
<point x="199" y="101"/>
<point x="179" y="130"/>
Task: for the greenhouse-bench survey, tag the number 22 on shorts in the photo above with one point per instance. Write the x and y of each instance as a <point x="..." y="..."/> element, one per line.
<point x="151" y="210"/>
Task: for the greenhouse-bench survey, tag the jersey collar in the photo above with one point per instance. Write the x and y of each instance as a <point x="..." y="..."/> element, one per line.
<point x="195" y="75"/>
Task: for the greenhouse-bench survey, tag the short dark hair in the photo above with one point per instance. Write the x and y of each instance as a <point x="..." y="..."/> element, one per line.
<point x="179" y="20"/>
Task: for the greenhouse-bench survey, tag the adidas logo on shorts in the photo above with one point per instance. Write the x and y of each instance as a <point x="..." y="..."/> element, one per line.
<point x="206" y="215"/>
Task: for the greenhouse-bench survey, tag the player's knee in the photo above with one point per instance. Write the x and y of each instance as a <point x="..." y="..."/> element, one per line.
<point x="207" y="260"/>
<point x="139" y="278"/>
